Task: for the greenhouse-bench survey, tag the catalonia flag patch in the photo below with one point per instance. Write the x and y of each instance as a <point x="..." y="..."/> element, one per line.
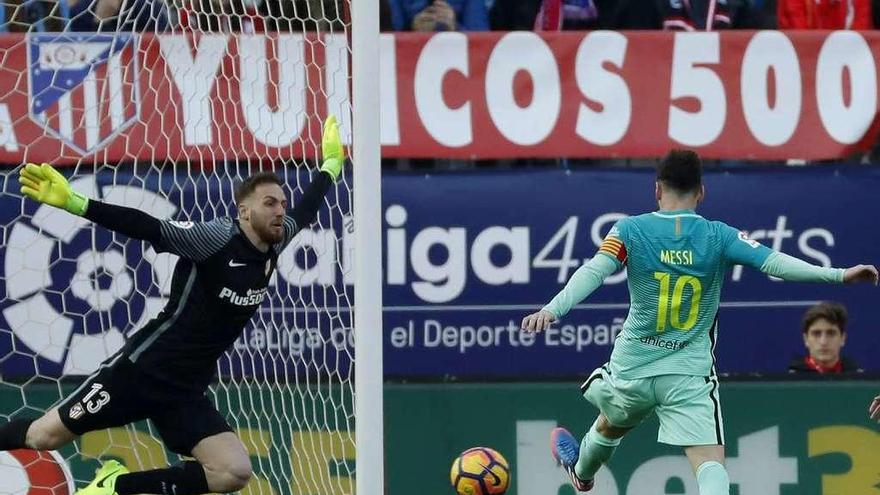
<point x="614" y="247"/>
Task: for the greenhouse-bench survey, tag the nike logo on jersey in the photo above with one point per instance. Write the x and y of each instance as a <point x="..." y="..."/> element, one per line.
<point x="233" y="264"/>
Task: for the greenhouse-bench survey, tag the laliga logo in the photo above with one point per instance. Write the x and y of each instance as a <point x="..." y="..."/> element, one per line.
<point x="32" y="277"/>
<point x="28" y="472"/>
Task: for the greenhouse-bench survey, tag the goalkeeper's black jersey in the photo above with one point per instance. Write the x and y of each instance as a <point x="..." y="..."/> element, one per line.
<point x="218" y="284"/>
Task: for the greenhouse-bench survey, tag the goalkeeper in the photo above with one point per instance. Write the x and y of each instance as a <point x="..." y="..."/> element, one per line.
<point x="163" y="371"/>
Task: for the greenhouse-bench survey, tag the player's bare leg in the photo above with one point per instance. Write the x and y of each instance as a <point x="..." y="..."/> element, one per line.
<point x="608" y="430"/>
<point x="48" y="432"/>
<point x="707" y="462"/>
<point x="44" y="433"/>
<point x="226" y="462"/>
<point x="581" y="462"/>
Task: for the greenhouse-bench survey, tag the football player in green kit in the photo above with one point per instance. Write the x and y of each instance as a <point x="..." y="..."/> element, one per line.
<point x="663" y="361"/>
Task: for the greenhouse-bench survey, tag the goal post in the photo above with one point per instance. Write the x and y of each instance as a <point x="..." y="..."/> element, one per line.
<point x="369" y="416"/>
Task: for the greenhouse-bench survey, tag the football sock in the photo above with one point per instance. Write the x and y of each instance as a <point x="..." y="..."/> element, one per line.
<point x="713" y="479"/>
<point x="13" y="435"/>
<point x="596" y="449"/>
<point x="185" y="479"/>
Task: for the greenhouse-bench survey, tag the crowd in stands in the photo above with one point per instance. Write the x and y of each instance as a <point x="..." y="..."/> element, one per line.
<point x="167" y="15"/>
<point x="438" y="15"/>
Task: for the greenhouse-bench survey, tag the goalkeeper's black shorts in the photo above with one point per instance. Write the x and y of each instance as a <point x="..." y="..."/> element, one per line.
<point x="119" y="394"/>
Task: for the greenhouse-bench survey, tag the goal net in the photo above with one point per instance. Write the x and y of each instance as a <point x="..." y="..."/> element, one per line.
<point x="163" y="105"/>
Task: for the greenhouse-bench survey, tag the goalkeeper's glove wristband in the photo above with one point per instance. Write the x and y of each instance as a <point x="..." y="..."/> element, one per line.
<point x="333" y="166"/>
<point x="77" y="203"/>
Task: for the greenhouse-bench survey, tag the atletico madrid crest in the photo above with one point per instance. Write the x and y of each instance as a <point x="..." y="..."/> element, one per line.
<point x="83" y="88"/>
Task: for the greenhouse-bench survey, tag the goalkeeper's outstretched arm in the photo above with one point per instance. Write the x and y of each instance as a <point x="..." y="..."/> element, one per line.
<point x="45" y="184"/>
<point x="306" y="208"/>
<point x="195" y="241"/>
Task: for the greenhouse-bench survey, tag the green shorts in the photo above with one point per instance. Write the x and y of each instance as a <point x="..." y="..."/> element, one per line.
<point x="688" y="407"/>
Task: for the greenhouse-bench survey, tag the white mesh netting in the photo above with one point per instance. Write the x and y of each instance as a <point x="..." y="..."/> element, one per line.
<point x="162" y="106"/>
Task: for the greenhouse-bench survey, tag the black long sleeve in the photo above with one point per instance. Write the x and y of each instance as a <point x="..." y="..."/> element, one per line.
<point x="198" y="241"/>
<point x="127" y="221"/>
<point x="191" y="240"/>
<point x="306" y="209"/>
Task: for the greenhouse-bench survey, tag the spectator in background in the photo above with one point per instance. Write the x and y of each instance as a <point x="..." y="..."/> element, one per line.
<point x="213" y="16"/>
<point x="385" y="23"/>
<point x="118" y="15"/>
<point x="875" y="12"/>
<point x="439" y="15"/>
<point x="628" y="14"/>
<point x="514" y="15"/>
<point x="259" y="16"/>
<point x="556" y="15"/>
<point x="696" y="15"/>
<point x="520" y="15"/>
<point x="242" y="16"/>
<point x="824" y="329"/>
<point x="753" y="14"/>
<point x="824" y="14"/>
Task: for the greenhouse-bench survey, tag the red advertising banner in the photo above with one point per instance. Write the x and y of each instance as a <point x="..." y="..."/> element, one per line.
<point x="68" y="98"/>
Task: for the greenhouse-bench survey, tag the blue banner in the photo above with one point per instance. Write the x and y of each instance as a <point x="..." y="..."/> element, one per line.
<point x="470" y="254"/>
<point x="467" y="256"/>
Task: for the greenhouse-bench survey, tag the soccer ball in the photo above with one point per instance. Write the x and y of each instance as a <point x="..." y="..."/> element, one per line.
<point x="480" y="471"/>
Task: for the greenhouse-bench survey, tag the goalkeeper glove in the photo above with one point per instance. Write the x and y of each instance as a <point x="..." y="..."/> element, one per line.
<point x="45" y="184"/>
<point x="331" y="148"/>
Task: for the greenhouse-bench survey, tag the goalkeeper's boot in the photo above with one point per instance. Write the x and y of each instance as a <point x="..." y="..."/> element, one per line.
<point x="105" y="479"/>
<point x="565" y="449"/>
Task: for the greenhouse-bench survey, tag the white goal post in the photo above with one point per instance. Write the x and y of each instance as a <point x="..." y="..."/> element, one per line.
<point x="369" y="416"/>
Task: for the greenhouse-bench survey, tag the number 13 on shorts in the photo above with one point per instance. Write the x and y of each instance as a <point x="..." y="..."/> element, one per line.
<point x="669" y="305"/>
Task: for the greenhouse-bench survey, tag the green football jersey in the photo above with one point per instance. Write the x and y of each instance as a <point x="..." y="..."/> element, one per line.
<point x="676" y="264"/>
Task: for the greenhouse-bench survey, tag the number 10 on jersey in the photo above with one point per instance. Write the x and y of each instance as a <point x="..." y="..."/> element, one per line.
<point x="671" y="313"/>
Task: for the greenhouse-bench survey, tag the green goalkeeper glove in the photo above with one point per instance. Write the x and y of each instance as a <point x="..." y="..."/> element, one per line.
<point x="45" y="184"/>
<point x="331" y="148"/>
